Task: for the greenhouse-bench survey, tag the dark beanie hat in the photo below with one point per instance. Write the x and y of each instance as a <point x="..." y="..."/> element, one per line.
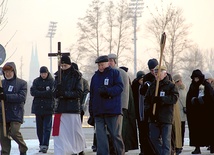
<point x="152" y="63"/>
<point x="140" y="74"/>
<point x="65" y="60"/>
<point x="197" y="73"/>
<point x="43" y="69"/>
<point x="100" y="59"/>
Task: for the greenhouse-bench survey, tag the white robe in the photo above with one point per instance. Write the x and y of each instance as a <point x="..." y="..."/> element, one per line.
<point x="71" y="139"/>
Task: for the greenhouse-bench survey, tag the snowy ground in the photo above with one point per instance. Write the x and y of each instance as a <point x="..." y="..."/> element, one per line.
<point x="33" y="148"/>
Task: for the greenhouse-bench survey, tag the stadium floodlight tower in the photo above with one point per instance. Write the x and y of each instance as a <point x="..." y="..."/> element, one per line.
<point x="135" y="11"/>
<point x="51" y="33"/>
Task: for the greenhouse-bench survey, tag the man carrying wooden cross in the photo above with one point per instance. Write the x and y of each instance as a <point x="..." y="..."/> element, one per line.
<point x="67" y="128"/>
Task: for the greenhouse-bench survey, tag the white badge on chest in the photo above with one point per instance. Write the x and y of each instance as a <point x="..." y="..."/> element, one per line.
<point x="162" y="93"/>
<point x="10" y="88"/>
<point x="106" y="81"/>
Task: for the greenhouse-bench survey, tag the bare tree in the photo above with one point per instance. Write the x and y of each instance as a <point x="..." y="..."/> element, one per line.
<point x="3" y="8"/>
<point x="110" y="13"/>
<point x="193" y="59"/>
<point x="3" y="23"/>
<point x="104" y="29"/>
<point x="90" y="28"/>
<point x="21" y="68"/>
<point x="172" y="22"/>
<point x="124" y="34"/>
<point x="208" y="58"/>
<point x="118" y="30"/>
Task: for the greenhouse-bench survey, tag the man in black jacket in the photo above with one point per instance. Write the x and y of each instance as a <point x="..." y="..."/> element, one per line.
<point x="160" y="123"/>
<point x="67" y="127"/>
<point x="43" y="106"/>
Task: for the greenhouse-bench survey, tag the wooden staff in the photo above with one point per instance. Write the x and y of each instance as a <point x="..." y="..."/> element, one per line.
<point x="162" y="45"/>
<point x="3" y="114"/>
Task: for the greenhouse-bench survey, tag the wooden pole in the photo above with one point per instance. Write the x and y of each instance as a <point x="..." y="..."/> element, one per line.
<point x="3" y="114"/>
<point x="162" y="45"/>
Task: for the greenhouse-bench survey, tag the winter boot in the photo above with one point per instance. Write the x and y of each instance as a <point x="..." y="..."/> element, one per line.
<point x="44" y="149"/>
<point x="197" y="150"/>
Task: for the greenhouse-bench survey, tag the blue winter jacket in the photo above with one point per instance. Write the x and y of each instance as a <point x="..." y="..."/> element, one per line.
<point x="15" y="90"/>
<point x="106" y="106"/>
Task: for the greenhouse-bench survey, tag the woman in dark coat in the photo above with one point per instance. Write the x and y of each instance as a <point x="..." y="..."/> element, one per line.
<point x="198" y="97"/>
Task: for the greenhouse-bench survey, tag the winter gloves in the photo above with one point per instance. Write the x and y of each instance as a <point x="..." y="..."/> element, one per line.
<point x="196" y="100"/>
<point x="144" y="88"/>
<point x="158" y="100"/>
<point x="59" y="91"/>
<point x="103" y="91"/>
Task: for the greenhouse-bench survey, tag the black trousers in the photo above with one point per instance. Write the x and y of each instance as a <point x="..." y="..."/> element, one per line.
<point x="182" y="131"/>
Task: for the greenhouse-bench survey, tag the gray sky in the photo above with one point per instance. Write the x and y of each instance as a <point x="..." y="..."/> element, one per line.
<point x="29" y="19"/>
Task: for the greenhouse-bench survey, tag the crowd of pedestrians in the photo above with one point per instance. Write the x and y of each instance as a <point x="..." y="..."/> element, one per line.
<point x="148" y="113"/>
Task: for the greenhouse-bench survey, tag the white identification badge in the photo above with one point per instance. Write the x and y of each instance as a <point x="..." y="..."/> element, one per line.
<point x="162" y="93"/>
<point x="106" y="81"/>
<point x="10" y="88"/>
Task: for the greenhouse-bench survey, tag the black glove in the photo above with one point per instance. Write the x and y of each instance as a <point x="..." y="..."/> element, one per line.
<point x="200" y="100"/>
<point x="3" y="97"/>
<point x="194" y="100"/>
<point x="103" y="91"/>
<point x="185" y="110"/>
<point x="59" y="94"/>
<point x="91" y="120"/>
<point x="1" y="90"/>
<point x="40" y="88"/>
<point x="60" y="90"/>
<point x="59" y="87"/>
<point x="153" y="118"/>
<point x="144" y="88"/>
<point x="158" y="100"/>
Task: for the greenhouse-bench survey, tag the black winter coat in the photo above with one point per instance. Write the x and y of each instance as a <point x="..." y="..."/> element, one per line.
<point x="72" y="87"/>
<point x="135" y="89"/>
<point x="164" y="110"/>
<point x="200" y="115"/>
<point x="41" y="90"/>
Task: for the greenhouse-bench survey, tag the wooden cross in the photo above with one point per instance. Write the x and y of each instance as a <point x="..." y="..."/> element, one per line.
<point x="58" y="55"/>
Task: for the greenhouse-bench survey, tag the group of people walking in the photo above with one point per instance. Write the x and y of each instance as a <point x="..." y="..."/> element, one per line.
<point x="62" y="97"/>
<point x="153" y="108"/>
<point x="166" y="111"/>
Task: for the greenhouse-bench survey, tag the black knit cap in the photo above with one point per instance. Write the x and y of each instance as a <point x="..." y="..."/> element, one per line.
<point x="152" y="63"/>
<point x="140" y="74"/>
<point x="43" y="69"/>
<point x="65" y="60"/>
<point x="197" y="73"/>
<point x="103" y="58"/>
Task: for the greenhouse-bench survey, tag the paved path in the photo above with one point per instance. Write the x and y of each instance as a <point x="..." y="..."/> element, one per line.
<point x="32" y="143"/>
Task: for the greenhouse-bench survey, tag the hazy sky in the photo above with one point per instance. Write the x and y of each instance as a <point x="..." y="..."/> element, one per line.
<point x="30" y="19"/>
